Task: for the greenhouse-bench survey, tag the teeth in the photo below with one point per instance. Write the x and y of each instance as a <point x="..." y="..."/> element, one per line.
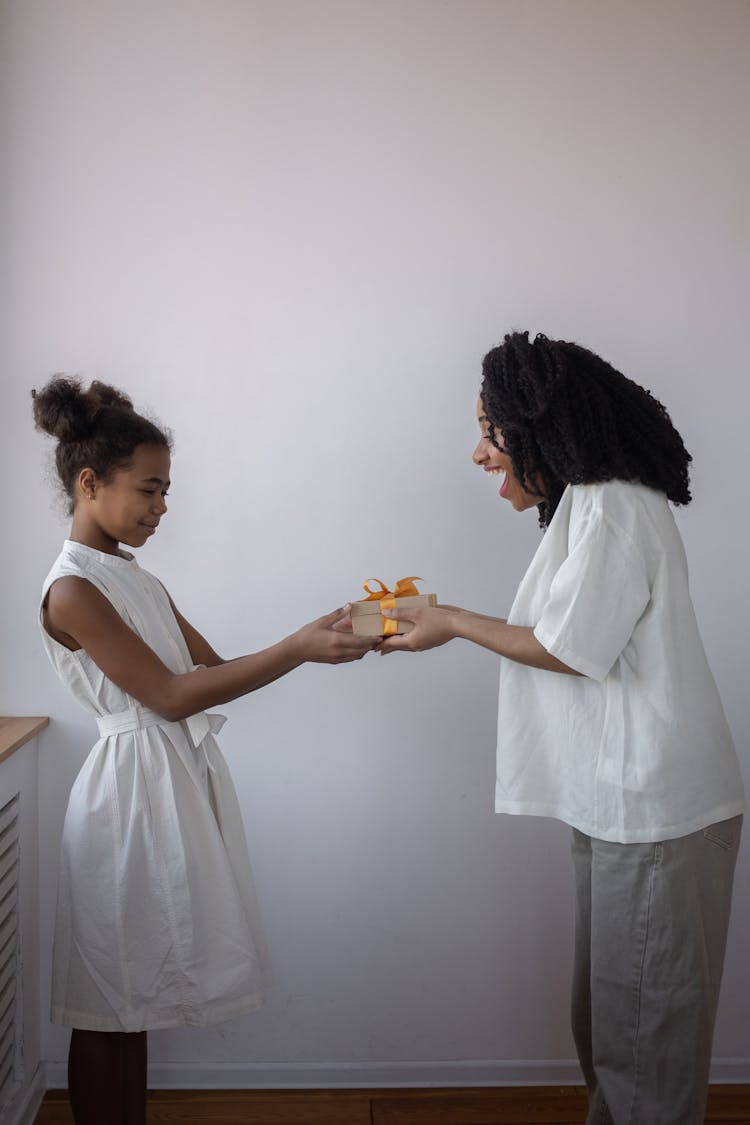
<point x="494" y="472"/>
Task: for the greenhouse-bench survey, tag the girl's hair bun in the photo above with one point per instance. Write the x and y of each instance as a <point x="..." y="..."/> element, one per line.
<point x="69" y="413"/>
<point x="102" y="394"/>
<point x="62" y="409"/>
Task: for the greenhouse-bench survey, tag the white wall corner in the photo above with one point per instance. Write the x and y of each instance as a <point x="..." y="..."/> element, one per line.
<point x="23" y="1108"/>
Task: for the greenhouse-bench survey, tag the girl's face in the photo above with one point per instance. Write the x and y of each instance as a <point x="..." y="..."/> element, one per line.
<point x="495" y="460"/>
<point x="128" y="507"/>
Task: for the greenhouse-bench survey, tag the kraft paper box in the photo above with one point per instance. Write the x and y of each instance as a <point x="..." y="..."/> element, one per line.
<point x="368" y="622"/>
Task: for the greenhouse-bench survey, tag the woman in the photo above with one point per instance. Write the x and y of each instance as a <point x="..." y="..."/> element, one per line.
<point x="609" y="717"/>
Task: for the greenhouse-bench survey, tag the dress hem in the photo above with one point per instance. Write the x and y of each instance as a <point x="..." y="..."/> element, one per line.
<point x="182" y="1016"/>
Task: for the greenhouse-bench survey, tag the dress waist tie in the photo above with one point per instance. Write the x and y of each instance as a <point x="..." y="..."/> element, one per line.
<point x="138" y="718"/>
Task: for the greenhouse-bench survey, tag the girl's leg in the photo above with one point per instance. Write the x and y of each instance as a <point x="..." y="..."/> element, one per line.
<point x="107" y="1077"/>
<point x="94" y="1077"/>
<point x="659" y="919"/>
<point x="134" y="1071"/>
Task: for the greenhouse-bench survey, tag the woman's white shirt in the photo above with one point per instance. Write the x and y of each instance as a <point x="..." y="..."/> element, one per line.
<point x="637" y="748"/>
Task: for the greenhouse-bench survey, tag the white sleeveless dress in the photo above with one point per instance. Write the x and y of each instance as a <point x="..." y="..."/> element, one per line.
<point x="157" y="920"/>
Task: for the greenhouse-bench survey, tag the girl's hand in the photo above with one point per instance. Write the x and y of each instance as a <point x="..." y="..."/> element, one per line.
<point x="433" y="626"/>
<point x="330" y="640"/>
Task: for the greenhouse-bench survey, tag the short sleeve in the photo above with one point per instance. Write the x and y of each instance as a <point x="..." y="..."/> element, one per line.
<point x="596" y="598"/>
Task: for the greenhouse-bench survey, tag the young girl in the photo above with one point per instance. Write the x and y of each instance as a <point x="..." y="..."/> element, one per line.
<point x="609" y="717"/>
<point x="157" y="923"/>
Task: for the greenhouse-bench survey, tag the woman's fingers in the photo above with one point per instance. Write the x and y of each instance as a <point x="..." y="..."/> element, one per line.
<point x="400" y="642"/>
<point x="432" y="627"/>
<point x="396" y="644"/>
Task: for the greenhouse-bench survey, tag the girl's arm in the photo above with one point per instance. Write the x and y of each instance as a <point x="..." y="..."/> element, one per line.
<point x="198" y="647"/>
<point x="436" y="625"/>
<point x="77" y="610"/>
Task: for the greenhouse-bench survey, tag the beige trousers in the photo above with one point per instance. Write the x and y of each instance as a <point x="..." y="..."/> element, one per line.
<point x="651" y="929"/>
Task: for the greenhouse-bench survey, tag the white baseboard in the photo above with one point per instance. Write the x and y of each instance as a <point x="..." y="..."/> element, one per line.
<point x="375" y="1075"/>
<point x="287" y="1076"/>
<point x="23" y="1109"/>
<point x="730" y="1072"/>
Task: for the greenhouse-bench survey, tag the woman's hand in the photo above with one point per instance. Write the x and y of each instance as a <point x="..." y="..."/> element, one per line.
<point x="330" y="640"/>
<point x="433" y="626"/>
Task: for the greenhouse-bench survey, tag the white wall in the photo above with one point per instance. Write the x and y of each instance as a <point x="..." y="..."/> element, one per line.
<point x="292" y="228"/>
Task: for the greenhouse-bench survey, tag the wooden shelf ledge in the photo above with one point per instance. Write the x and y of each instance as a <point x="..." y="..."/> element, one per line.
<point x="16" y="731"/>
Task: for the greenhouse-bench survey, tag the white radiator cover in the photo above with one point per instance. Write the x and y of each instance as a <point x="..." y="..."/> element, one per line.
<point x="21" y="1076"/>
<point x="10" y="980"/>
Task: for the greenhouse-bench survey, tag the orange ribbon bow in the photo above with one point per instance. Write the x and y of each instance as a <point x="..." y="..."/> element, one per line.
<point x="404" y="588"/>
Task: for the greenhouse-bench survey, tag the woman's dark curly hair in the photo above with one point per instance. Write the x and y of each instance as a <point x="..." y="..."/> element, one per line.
<point x="568" y="417"/>
<point x="95" y="429"/>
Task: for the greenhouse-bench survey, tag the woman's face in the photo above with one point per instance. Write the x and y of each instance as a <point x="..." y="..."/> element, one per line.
<point x="495" y="461"/>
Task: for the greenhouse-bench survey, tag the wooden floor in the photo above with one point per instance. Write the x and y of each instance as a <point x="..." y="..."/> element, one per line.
<point x="516" y="1105"/>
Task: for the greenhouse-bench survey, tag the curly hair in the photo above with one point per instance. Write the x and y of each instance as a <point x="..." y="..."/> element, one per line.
<point x="95" y="429"/>
<point x="566" y="416"/>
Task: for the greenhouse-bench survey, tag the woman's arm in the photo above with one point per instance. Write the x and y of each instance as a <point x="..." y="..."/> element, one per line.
<point x="78" y="610"/>
<point x="436" y="625"/>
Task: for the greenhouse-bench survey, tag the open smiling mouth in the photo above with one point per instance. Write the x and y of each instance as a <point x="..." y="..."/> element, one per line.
<point x="506" y="479"/>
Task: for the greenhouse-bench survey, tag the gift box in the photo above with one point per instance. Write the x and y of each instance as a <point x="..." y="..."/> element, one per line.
<point x="367" y="618"/>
